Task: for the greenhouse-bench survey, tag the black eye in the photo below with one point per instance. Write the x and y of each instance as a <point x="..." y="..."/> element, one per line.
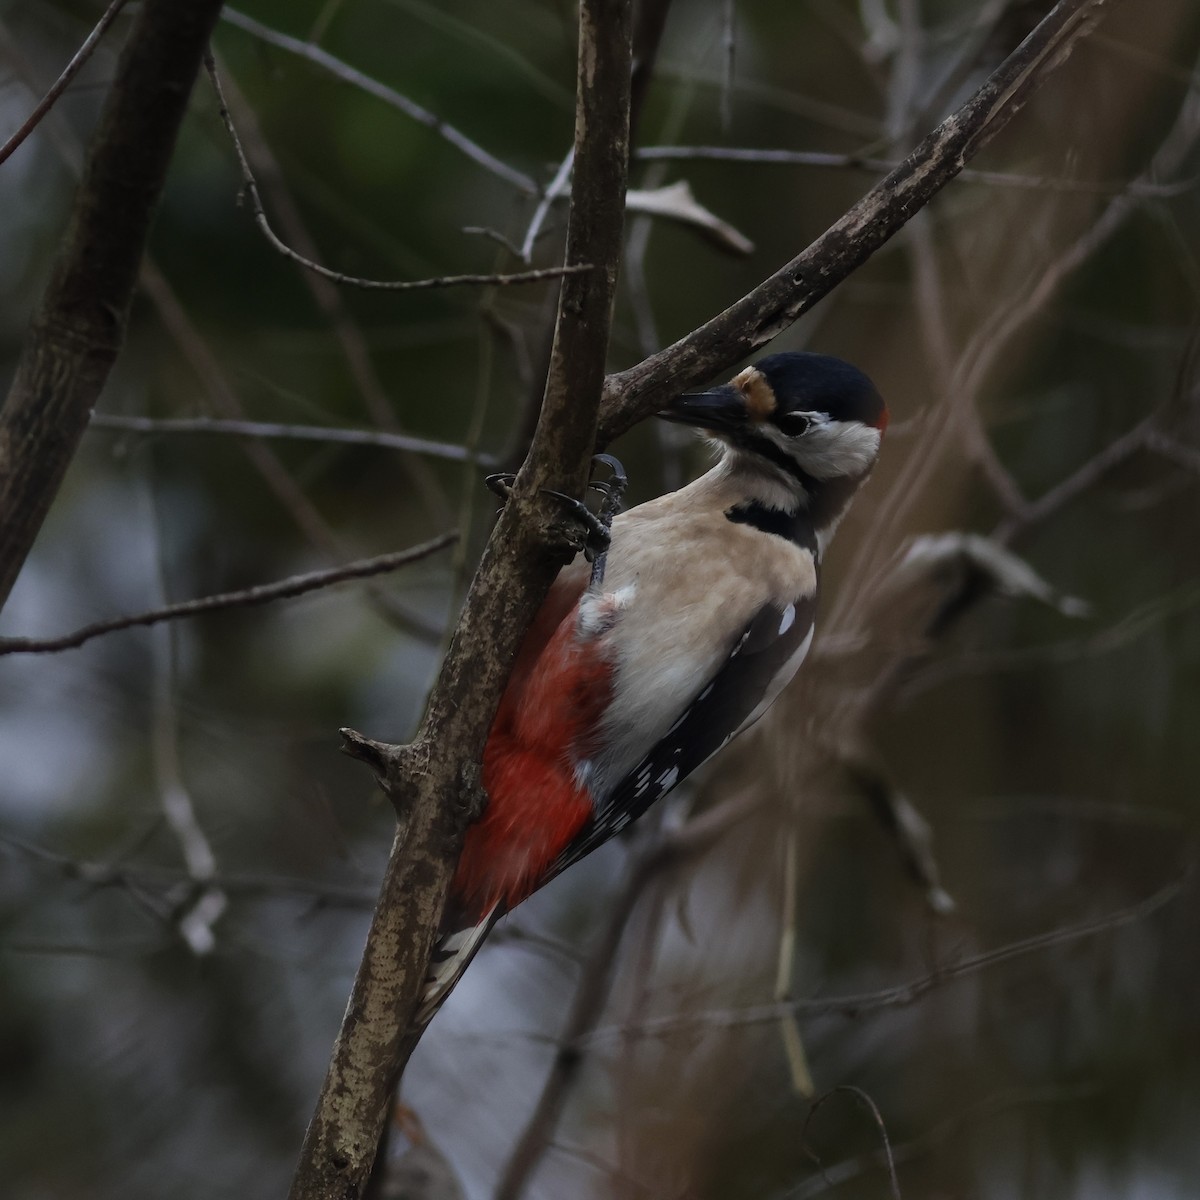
<point x="794" y="424"/>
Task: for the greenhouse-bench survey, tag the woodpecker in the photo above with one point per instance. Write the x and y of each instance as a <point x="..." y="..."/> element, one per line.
<point x="701" y="610"/>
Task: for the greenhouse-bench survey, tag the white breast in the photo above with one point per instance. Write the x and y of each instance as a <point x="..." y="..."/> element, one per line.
<point x="685" y="582"/>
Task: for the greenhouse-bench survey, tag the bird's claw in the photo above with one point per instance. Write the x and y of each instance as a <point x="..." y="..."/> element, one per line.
<point x="597" y="525"/>
<point x="611" y="489"/>
<point x="595" y="539"/>
<point x="500" y="484"/>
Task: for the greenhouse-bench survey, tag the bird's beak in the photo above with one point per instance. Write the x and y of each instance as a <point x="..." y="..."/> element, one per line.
<point x="721" y="409"/>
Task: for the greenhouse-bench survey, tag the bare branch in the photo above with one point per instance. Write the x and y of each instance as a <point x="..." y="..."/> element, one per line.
<point x="877" y="1116"/>
<point x="904" y="994"/>
<point x="221" y="395"/>
<point x="1180" y="454"/>
<point x="377" y="285"/>
<point x="1074" y="485"/>
<point x="330" y="434"/>
<point x="294" y="500"/>
<point x="649" y="21"/>
<point x="844" y="1171"/>
<point x="591" y="994"/>
<point x="779" y="300"/>
<point x="79" y="325"/>
<point x="138" y="878"/>
<point x="264" y="593"/>
<point x="60" y="85"/>
<point x="348" y="74"/>
<point x="556" y="189"/>
<point x="1143" y="188"/>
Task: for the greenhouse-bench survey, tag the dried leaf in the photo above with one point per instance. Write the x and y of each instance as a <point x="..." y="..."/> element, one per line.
<point x="676" y="203"/>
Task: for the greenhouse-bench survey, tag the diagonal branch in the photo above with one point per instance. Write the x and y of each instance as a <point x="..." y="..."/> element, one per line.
<point x="348" y="74"/>
<point x="779" y="300"/>
<point x="60" y="85"/>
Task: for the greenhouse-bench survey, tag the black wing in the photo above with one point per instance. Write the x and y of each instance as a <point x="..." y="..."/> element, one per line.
<point x="720" y="709"/>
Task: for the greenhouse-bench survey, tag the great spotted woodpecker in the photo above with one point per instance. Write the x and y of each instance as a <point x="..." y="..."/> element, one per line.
<point x="630" y="679"/>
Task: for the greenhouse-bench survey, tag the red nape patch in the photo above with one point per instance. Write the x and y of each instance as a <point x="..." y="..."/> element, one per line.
<point x="881" y="422"/>
<point x="548" y="716"/>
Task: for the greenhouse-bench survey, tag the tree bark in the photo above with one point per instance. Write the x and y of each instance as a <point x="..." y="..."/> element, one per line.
<point x="79" y="326"/>
<point x="434" y="781"/>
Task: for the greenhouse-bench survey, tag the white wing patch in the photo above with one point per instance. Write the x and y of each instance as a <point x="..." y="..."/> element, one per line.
<point x="789" y="619"/>
<point x="781" y="680"/>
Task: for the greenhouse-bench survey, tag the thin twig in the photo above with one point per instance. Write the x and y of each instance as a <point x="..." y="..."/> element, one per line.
<point x="728" y="60"/>
<point x="876" y="1115"/>
<point x="293" y="498"/>
<point x="556" y="188"/>
<point x="61" y="83"/>
<point x="250" y="187"/>
<point x="330" y="299"/>
<point x="871" y="165"/>
<point x="287" y="432"/>
<point x="591" y="994"/>
<point x="265" y="593"/>
<point x="904" y="994"/>
<point x="1117" y="452"/>
<point x="348" y="74"/>
<point x="1128" y="629"/>
<point x="1184" y="456"/>
<point x="221" y="395"/>
<point x="143" y="878"/>
<point x="847" y="1169"/>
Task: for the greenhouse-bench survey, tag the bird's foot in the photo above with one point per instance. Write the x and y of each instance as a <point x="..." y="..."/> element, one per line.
<point x="596" y="526"/>
<point x="611" y="491"/>
<point x="501" y="484"/>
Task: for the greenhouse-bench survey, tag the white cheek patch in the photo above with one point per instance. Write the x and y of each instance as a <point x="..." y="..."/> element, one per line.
<point x="835" y="448"/>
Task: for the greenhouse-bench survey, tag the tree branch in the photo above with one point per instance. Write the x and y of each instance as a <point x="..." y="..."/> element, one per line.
<point x="46" y="103"/>
<point x="264" y="593"/>
<point x="250" y="187"/>
<point x="327" y="434"/>
<point x="79" y="326"/>
<point x="779" y="300"/>
<point x="348" y="74"/>
<point x="434" y="781"/>
<point x="902" y="995"/>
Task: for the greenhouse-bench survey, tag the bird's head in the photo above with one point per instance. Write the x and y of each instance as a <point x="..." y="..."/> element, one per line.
<point x="809" y="417"/>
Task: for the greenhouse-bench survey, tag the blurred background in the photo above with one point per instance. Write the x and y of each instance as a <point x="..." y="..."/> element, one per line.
<point x="187" y="864"/>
